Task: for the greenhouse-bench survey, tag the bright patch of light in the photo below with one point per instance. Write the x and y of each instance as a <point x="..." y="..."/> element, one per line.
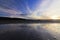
<point x="54" y="17"/>
<point x="40" y="9"/>
<point x="49" y="9"/>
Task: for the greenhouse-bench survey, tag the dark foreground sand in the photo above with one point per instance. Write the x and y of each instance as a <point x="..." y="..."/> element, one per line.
<point x="22" y="32"/>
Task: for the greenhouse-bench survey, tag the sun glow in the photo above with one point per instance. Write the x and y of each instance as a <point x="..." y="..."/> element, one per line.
<point x="54" y="17"/>
<point x="48" y="9"/>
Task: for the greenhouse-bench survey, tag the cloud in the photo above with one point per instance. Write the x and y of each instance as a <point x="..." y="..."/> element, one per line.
<point x="10" y="11"/>
<point x="54" y="9"/>
<point x="13" y="12"/>
<point x="43" y="9"/>
<point x="46" y="8"/>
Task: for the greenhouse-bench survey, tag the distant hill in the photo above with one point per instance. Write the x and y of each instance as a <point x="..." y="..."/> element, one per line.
<point x="16" y="20"/>
<point x="21" y="20"/>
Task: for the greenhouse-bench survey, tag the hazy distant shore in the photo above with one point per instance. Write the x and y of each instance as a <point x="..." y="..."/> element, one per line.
<point x="20" y="20"/>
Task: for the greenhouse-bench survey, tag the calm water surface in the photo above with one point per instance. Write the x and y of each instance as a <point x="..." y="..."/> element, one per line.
<point x="33" y="31"/>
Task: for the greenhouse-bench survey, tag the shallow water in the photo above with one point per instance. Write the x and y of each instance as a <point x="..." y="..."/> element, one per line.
<point x="33" y="31"/>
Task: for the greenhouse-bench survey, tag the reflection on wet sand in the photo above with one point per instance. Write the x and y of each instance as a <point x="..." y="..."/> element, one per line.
<point x="53" y="29"/>
<point x="27" y="31"/>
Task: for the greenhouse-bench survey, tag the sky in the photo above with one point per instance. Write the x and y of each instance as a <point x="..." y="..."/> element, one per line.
<point x="32" y="9"/>
<point x="18" y="8"/>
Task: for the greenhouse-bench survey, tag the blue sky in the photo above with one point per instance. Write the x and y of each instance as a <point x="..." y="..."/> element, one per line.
<point x="35" y="9"/>
<point x="17" y="5"/>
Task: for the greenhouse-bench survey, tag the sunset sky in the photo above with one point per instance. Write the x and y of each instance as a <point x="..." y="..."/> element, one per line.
<point x="32" y="9"/>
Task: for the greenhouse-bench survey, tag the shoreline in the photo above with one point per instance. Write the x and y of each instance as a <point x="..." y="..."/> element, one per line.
<point x="20" y="20"/>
